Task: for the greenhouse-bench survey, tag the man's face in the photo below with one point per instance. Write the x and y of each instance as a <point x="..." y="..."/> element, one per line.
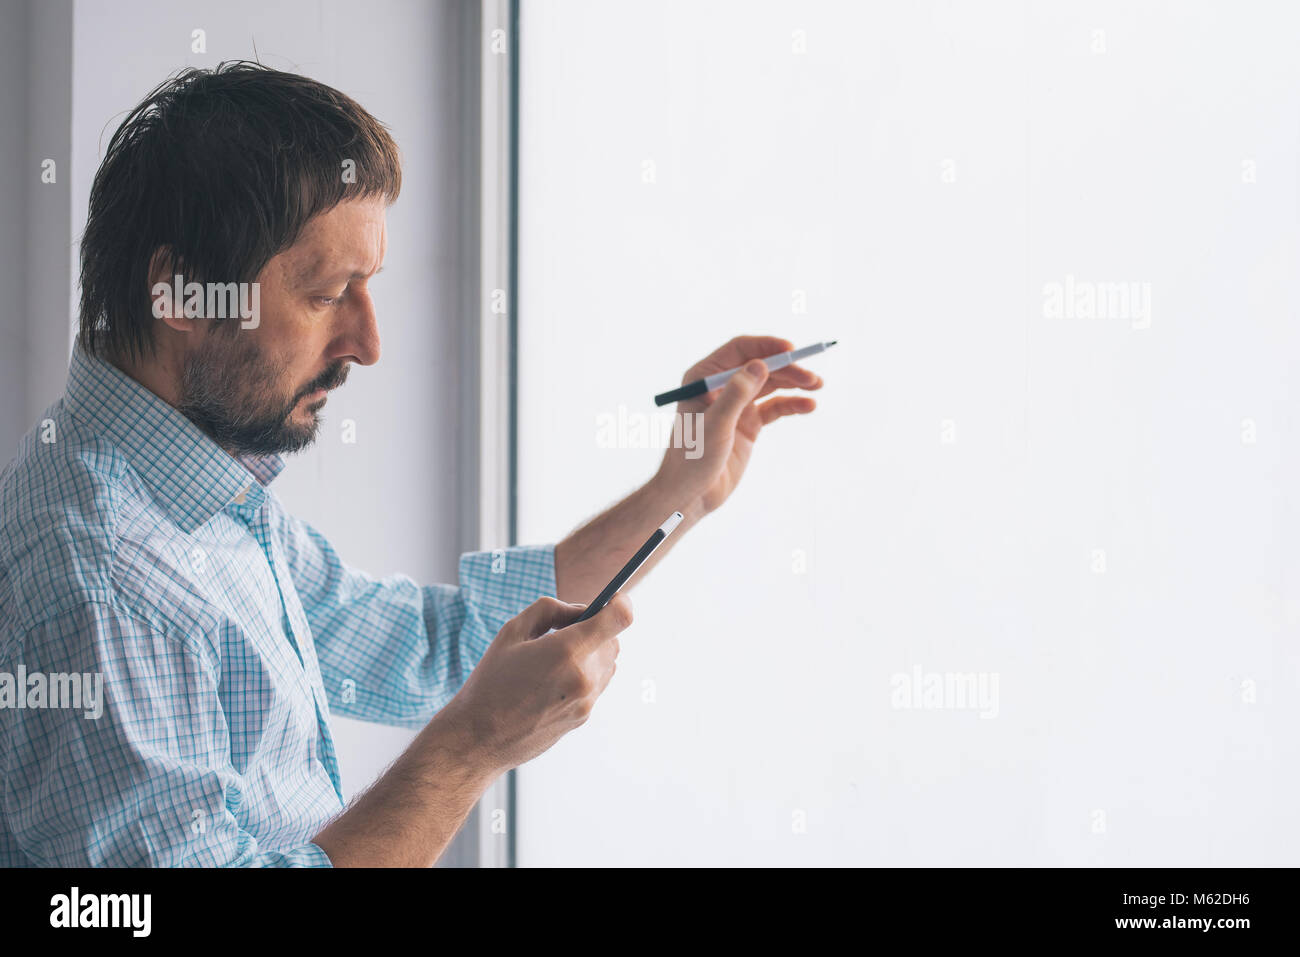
<point x="260" y="390"/>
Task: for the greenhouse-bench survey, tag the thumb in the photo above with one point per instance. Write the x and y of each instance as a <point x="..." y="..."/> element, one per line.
<point x="741" y="389"/>
<point x="539" y="618"/>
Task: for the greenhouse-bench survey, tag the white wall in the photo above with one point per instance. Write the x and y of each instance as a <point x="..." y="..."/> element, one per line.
<point x="1100" y="513"/>
<point x="35" y="227"/>
<point x="14" y="191"/>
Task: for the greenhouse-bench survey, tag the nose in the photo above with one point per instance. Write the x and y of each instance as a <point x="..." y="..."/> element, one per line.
<point x="360" y="343"/>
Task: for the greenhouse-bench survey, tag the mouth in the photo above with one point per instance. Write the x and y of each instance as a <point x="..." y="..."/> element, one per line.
<point x="316" y="397"/>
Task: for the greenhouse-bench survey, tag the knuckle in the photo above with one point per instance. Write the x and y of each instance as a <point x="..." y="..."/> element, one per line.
<point x="622" y="610"/>
<point x="567" y="672"/>
<point x="537" y="611"/>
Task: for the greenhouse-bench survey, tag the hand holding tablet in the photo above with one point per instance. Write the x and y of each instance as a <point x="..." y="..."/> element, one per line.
<point x="635" y="562"/>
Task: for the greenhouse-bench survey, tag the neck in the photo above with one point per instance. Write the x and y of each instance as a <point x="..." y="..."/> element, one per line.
<point x="160" y="373"/>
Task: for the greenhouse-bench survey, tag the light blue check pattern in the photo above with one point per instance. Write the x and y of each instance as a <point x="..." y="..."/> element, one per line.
<point x="226" y="631"/>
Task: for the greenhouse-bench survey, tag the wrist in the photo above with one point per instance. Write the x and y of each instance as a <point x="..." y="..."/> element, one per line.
<point x="668" y="495"/>
<point x="456" y="748"/>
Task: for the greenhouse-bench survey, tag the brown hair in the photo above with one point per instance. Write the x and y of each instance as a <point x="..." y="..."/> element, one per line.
<point x="222" y="168"/>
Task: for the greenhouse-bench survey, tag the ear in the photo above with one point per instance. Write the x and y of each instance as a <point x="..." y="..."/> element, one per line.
<point x="168" y="300"/>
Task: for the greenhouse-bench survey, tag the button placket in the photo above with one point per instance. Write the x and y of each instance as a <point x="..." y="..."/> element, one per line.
<point x="291" y="609"/>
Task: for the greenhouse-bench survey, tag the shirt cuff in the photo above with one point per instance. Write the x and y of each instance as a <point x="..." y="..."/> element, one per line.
<point x="303" y="855"/>
<point x="503" y="582"/>
<point x="311" y="855"/>
<point x="507" y="580"/>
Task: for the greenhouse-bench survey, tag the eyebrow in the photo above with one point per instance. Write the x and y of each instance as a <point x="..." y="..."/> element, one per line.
<point x="309" y="273"/>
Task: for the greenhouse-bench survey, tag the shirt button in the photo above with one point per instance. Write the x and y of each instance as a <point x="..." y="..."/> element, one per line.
<point x="243" y="495"/>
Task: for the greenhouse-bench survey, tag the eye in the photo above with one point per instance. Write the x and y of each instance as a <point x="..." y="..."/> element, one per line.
<point x="330" y="301"/>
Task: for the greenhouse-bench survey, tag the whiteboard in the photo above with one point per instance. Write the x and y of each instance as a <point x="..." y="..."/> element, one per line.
<point x="1024" y="589"/>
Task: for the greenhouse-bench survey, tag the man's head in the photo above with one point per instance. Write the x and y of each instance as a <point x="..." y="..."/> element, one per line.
<point x="240" y="175"/>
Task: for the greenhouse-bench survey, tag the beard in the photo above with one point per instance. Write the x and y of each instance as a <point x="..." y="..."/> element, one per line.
<point x="230" y="390"/>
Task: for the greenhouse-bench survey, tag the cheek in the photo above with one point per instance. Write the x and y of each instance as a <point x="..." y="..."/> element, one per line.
<point x="286" y="320"/>
<point x="266" y="377"/>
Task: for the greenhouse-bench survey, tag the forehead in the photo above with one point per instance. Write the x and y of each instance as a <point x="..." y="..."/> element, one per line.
<point x="351" y="238"/>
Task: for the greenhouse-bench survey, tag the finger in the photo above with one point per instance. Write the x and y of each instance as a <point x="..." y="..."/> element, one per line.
<point x="541" y="616"/>
<point x="791" y="377"/>
<point x="588" y="635"/>
<point x="784" y="405"/>
<point x="797" y="377"/>
<point x="737" y="352"/>
<point x="602" y="664"/>
<point x="604" y="656"/>
<point x="740" y="390"/>
<point x="606" y="679"/>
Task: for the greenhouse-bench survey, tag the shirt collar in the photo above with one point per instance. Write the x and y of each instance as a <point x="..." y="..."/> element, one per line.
<point x="192" y="477"/>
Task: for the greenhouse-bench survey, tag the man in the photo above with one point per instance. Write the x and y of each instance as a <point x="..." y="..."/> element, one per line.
<point x="139" y="540"/>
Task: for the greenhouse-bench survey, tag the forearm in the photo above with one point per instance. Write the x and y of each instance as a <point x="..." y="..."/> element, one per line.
<point x="588" y="558"/>
<point x="410" y="815"/>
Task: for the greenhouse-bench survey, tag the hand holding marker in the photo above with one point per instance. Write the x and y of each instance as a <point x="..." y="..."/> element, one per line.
<point x="688" y="391"/>
<point x="719" y="379"/>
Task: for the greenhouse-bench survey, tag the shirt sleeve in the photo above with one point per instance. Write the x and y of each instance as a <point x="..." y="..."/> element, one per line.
<point x="137" y="773"/>
<point x="395" y="652"/>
